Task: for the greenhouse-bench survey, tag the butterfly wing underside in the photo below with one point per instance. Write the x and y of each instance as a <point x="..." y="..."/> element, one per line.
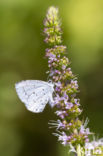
<point x="35" y="94"/>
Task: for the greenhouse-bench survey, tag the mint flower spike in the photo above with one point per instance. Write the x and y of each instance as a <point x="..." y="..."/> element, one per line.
<point x="70" y="130"/>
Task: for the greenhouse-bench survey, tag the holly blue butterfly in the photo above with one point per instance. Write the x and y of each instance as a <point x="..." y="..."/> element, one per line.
<point x="35" y="94"/>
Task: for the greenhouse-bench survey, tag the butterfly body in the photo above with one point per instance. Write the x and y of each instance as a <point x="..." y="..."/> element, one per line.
<point x="35" y="94"/>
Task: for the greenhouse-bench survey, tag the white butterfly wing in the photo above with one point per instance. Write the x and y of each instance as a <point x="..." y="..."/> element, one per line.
<point x="35" y="94"/>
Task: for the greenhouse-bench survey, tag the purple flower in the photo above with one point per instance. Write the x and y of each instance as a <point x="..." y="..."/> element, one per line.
<point x="69" y="105"/>
<point x="63" y="138"/>
<point x="66" y="96"/>
<point x="61" y="114"/>
<point x="64" y="67"/>
<point x="74" y="84"/>
<point x="84" y="130"/>
<point x="61" y="125"/>
<point x="76" y="102"/>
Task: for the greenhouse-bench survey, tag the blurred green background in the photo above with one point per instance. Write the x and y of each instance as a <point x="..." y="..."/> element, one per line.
<point x="22" y="51"/>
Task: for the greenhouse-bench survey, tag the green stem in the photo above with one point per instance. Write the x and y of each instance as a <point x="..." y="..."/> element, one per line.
<point x="80" y="151"/>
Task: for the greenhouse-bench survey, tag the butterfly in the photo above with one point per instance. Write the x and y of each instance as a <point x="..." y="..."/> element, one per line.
<point x="35" y="94"/>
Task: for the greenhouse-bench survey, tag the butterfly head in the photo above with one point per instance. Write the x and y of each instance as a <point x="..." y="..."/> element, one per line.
<point x="51" y="84"/>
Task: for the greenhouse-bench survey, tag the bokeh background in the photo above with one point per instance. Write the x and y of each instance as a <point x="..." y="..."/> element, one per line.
<point x="22" y="51"/>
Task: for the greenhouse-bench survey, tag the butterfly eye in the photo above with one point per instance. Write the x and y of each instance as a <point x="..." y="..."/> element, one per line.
<point x="50" y="81"/>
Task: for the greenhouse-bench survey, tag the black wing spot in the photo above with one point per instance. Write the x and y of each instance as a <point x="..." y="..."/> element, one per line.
<point x="36" y="110"/>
